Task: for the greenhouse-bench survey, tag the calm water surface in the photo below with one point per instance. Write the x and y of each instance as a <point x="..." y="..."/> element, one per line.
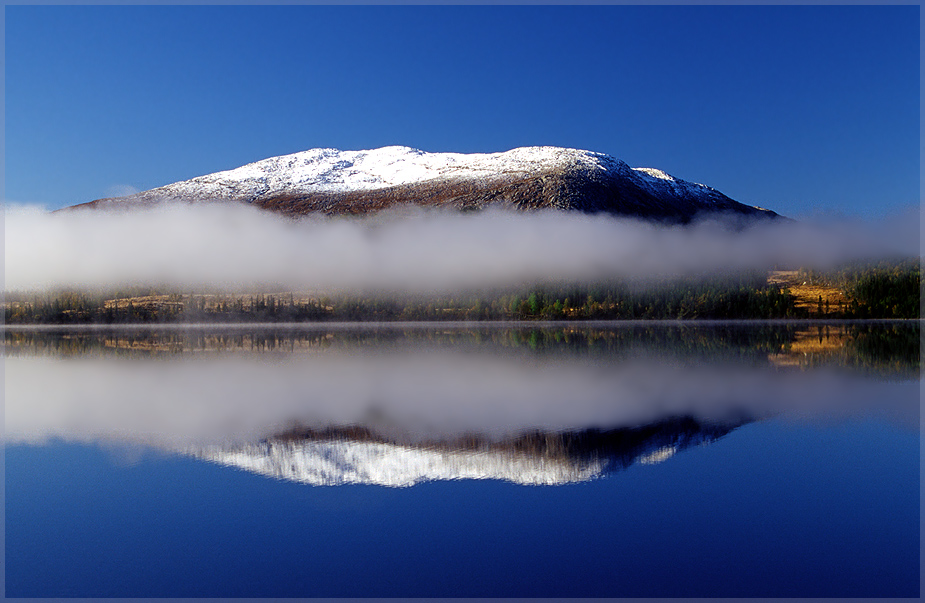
<point x="592" y="460"/>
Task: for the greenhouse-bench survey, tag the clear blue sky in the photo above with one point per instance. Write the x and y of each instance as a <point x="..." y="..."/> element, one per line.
<point x="804" y="110"/>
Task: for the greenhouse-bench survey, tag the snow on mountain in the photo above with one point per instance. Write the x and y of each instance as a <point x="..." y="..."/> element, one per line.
<point x="662" y="183"/>
<point x="331" y="170"/>
<point x="356" y="182"/>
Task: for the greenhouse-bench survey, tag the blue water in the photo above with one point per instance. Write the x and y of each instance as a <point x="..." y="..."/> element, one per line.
<point x="776" y="508"/>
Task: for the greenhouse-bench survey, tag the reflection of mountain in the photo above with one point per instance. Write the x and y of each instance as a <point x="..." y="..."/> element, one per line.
<point x="211" y="386"/>
<point x="359" y="456"/>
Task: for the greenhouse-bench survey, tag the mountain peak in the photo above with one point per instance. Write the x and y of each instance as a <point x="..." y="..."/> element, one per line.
<point x="332" y="181"/>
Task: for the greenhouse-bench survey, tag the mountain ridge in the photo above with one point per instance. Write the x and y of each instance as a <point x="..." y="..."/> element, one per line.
<point x="335" y="182"/>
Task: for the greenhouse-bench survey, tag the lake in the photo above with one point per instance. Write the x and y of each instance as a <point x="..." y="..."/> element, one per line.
<point x="636" y="459"/>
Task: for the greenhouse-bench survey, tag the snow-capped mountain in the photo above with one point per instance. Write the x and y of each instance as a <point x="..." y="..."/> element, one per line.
<point x="357" y="182"/>
<point x="357" y="456"/>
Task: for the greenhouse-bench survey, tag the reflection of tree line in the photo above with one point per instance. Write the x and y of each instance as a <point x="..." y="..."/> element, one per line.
<point x="890" y="347"/>
<point x="883" y="348"/>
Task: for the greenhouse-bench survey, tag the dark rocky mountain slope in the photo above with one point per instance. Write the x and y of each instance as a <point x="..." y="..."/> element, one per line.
<point x="336" y="182"/>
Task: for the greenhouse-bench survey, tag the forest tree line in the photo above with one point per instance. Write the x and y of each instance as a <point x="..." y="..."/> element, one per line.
<point x="882" y="290"/>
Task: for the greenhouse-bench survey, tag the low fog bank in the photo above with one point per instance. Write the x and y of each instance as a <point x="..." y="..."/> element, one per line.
<point x="426" y="394"/>
<point x="237" y="247"/>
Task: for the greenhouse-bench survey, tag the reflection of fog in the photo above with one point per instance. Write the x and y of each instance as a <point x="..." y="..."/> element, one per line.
<point x="187" y="399"/>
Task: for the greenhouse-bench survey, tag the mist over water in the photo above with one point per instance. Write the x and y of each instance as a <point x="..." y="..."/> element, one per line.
<point x="420" y="391"/>
<point x="236" y="247"/>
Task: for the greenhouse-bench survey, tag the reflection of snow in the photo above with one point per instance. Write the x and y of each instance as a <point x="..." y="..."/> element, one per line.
<point x="657" y="456"/>
<point x="339" y="462"/>
<point x="358" y="455"/>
